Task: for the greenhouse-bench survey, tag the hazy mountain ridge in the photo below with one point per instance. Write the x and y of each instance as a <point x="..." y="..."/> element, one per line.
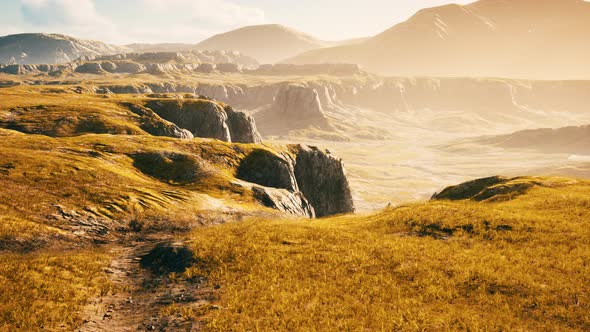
<point x="42" y="48"/>
<point x="572" y="139"/>
<point x="518" y="39"/>
<point x="266" y="43"/>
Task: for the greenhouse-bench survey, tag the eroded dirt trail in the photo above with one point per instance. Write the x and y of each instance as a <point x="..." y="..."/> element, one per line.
<point x="144" y="300"/>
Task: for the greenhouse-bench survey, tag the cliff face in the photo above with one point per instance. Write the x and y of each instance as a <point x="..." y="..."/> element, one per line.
<point x="155" y="125"/>
<point x="333" y="105"/>
<point x="208" y="119"/>
<point x="298" y="180"/>
<point x="295" y="107"/>
<point x="313" y="179"/>
<point x="322" y="180"/>
<point x="242" y="127"/>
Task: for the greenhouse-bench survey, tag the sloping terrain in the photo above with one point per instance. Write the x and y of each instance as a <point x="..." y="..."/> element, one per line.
<point x="488" y="38"/>
<point x="572" y="140"/>
<point x="266" y="43"/>
<point x="440" y="265"/>
<point x="84" y="175"/>
<point x="430" y="123"/>
<point x="41" y="48"/>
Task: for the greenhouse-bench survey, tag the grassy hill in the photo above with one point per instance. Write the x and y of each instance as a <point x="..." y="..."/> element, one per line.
<point x="516" y="264"/>
<point x="503" y="254"/>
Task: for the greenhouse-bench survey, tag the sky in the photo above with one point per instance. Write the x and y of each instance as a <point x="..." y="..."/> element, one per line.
<point x="190" y="21"/>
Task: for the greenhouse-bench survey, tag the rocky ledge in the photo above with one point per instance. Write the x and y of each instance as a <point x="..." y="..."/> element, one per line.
<point x="306" y="181"/>
<point x="207" y="118"/>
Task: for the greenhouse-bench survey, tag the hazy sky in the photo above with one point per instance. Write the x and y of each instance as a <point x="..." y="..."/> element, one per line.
<point x="125" y="21"/>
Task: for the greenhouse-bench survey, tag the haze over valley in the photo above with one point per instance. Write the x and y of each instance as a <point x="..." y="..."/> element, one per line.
<point x="432" y="176"/>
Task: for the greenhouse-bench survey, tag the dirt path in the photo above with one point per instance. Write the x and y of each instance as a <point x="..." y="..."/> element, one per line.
<point x="143" y="300"/>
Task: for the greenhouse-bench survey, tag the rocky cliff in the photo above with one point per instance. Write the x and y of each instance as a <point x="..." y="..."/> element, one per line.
<point x="299" y="180"/>
<point x="295" y="107"/>
<point x="206" y="118"/>
<point x="313" y="178"/>
<point x="322" y="179"/>
<point x="334" y="105"/>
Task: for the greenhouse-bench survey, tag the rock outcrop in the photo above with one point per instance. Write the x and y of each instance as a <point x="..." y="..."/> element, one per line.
<point x="242" y="127"/>
<point x="295" y="107"/>
<point x="229" y="61"/>
<point x="308" y="180"/>
<point x="207" y="119"/>
<point x="155" y="125"/>
<point x="293" y="203"/>
<point x="268" y="169"/>
<point x="90" y="68"/>
<point x="491" y="189"/>
<point x="322" y="179"/>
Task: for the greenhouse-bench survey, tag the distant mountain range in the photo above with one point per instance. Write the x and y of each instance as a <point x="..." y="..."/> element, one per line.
<point x="536" y="39"/>
<point x="41" y="48"/>
<point x="532" y="39"/>
<point x="266" y="43"/>
<point x="560" y="140"/>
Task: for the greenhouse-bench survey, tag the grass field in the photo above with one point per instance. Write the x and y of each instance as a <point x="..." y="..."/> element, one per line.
<point x="522" y="265"/>
<point x="47" y="291"/>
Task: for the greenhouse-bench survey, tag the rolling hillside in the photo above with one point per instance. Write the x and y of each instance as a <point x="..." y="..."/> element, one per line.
<point x="489" y="38"/>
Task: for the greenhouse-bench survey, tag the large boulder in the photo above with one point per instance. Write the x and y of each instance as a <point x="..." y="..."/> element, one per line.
<point x="205" y="68"/>
<point x="228" y="67"/>
<point x="130" y="67"/>
<point x="322" y="179"/>
<point x="109" y="66"/>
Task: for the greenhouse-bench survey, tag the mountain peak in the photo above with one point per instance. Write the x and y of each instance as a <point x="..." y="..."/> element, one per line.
<point x="268" y="43"/>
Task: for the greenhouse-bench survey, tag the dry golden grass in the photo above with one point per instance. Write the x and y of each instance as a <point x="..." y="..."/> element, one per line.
<point x="517" y="265"/>
<point x="47" y="291"/>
